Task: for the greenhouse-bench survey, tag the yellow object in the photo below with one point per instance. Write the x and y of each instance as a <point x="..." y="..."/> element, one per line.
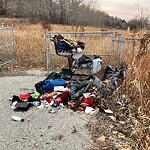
<point x="101" y="138"/>
<point x="107" y="83"/>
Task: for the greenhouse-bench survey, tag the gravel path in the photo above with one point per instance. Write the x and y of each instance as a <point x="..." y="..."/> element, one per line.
<point x="63" y="130"/>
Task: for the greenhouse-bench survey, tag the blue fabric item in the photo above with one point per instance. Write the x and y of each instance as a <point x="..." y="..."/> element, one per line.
<point x="62" y="45"/>
<point x="49" y="84"/>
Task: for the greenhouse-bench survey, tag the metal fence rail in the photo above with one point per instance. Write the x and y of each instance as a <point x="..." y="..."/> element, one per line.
<point x="96" y="43"/>
<point x="7" y="45"/>
<point x="128" y="46"/>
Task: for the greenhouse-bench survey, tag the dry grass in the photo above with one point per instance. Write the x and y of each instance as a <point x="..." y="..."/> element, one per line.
<point x="136" y="87"/>
<point x="137" y="81"/>
<point x="30" y="43"/>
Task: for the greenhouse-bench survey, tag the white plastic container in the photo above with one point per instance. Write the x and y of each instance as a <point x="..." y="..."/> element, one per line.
<point x="17" y="118"/>
<point x="97" y="65"/>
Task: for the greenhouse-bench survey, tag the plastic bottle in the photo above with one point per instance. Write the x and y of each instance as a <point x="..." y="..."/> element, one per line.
<point x="17" y="118"/>
<point x="34" y="103"/>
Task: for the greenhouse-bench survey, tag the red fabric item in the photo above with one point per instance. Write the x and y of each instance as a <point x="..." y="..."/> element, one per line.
<point x="88" y="101"/>
<point x="48" y="99"/>
<point x="71" y="105"/>
<point x="25" y="96"/>
<point x="64" y="95"/>
<point x="62" y="98"/>
<point x="58" y="100"/>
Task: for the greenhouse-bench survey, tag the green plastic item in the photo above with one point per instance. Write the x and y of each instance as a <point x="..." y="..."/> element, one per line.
<point x="65" y="71"/>
<point x="35" y="95"/>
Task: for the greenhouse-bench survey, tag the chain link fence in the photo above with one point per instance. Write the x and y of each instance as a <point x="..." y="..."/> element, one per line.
<point x="7" y="48"/>
<point x="131" y="46"/>
<point x="96" y="43"/>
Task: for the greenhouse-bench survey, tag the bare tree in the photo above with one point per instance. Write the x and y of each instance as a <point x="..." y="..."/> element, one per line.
<point x="3" y="6"/>
<point x="143" y="16"/>
<point x="71" y="12"/>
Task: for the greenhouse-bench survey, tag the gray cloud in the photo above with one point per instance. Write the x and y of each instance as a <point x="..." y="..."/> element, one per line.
<point x="124" y="9"/>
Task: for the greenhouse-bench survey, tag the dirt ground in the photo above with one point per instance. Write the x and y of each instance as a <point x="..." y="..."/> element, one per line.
<point x="40" y="130"/>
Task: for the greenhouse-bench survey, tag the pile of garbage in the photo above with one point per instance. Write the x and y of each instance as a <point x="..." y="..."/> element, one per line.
<point x="84" y="95"/>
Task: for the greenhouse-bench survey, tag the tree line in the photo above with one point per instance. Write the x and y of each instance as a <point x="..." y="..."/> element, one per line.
<point x="69" y="12"/>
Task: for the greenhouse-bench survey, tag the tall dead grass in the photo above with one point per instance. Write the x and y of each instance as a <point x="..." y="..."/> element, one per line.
<point x="137" y="81"/>
<point x="136" y="88"/>
<point x="31" y="44"/>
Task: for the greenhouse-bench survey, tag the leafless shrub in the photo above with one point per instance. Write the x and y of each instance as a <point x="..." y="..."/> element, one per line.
<point x="144" y="43"/>
<point x="136" y="87"/>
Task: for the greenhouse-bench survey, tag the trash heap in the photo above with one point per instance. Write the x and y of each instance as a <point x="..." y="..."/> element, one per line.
<point x="84" y="95"/>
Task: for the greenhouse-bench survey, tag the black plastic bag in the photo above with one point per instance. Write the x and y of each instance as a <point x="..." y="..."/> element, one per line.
<point x="52" y="75"/>
<point x="77" y="90"/>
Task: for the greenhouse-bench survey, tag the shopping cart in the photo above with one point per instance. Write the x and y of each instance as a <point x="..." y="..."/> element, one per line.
<point x="73" y="51"/>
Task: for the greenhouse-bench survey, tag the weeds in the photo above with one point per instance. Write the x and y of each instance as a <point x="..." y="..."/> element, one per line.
<point x="136" y="87"/>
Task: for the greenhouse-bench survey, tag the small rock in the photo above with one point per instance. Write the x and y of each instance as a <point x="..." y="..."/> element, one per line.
<point x="74" y="129"/>
<point x="49" y="127"/>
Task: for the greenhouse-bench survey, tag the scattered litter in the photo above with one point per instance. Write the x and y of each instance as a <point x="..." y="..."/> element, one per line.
<point x="35" y="103"/>
<point x="86" y="95"/>
<point x="62" y="105"/>
<point x="53" y="103"/>
<point x="118" y="134"/>
<point x="89" y="110"/>
<point x="40" y="106"/>
<point x="23" y="106"/>
<point x="25" y="96"/>
<point x="60" y="88"/>
<point x="10" y="98"/>
<point x="113" y="118"/>
<point x="13" y="105"/>
<point x="108" y="111"/>
<point x="82" y="92"/>
<point x="52" y="111"/>
<point x="35" y="95"/>
<point x="122" y="122"/>
<point x="17" y="118"/>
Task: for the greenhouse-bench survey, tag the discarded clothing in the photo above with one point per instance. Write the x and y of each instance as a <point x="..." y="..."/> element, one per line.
<point x="48" y="85"/>
<point x="77" y="90"/>
<point x="112" y="72"/>
<point x="100" y="86"/>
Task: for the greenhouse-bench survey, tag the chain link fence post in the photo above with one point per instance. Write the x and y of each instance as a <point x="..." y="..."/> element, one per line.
<point x="120" y="40"/>
<point x="47" y="51"/>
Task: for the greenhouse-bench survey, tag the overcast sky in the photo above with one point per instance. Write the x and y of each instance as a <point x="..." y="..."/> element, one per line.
<point x="124" y="9"/>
